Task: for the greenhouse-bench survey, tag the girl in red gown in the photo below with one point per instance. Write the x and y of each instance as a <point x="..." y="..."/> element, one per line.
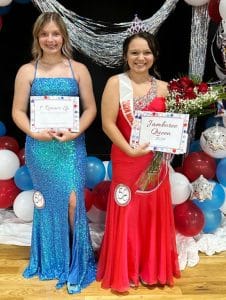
<point x="139" y="241"/>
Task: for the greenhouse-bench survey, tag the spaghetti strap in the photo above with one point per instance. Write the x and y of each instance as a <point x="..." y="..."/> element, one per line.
<point x="36" y="67"/>
<point x="72" y="71"/>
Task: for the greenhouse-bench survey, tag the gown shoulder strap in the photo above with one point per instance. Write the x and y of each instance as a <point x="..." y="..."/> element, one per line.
<point x="72" y="71"/>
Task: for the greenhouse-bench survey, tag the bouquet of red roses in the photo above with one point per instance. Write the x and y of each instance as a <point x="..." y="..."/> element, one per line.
<point x="190" y="96"/>
<point x="187" y="96"/>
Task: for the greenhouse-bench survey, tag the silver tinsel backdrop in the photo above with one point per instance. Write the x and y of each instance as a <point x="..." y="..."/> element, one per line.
<point x="102" y="42"/>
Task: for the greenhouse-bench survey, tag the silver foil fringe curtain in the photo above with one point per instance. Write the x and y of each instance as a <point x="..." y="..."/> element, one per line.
<point x="101" y="41"/>
<point x="199" y="35"/>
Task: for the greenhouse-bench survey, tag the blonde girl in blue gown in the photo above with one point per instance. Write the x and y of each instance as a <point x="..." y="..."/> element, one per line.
<point x="61" y="246"/>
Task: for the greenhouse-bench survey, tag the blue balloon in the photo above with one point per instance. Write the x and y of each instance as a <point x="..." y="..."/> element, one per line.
<point x="109" y="169"/>
<point x="213" y="220"/>
<point x="217" y="200"/>
<point x="95" y="171"/>
<point x="221" y="171"/>
<point x="5" y="9"/>
<point x="22" y="179"/>
<point x="195" y="146"/>
<point x="2" y="129"/>
<point x="212" y="121"/>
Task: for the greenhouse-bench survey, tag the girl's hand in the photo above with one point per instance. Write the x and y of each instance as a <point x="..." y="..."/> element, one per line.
<point x="63" y="135"/>
<point x="43" y="135"/>
<point x="139" y="150"/>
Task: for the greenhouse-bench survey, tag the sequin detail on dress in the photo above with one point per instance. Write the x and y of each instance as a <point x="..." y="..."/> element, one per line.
<point x="141" y="102"/>
<point x="58" y="169"/>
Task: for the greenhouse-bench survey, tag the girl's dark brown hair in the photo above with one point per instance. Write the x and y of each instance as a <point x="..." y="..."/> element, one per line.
<point x="153" y="45"/>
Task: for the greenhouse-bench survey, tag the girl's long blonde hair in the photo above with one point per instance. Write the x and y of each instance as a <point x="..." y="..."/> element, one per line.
<point x="41" y="21"/>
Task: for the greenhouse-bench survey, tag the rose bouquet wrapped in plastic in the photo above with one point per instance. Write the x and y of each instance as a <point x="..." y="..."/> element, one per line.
<point x="187" y="96"/>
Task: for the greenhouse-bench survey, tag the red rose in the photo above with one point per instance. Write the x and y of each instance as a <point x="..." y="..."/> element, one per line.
<point x="189" y="93"/>
<point x="186" y="82"/>
<point x="174" y="85"/>
<point x="203" y="87"/>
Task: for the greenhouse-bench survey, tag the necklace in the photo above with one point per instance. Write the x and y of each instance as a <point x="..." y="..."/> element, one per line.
<point x="142" y="101"/>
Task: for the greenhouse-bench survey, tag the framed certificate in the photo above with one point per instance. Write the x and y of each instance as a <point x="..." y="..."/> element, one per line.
<point x="165" y="132"/>
<point x="54" y="112"/>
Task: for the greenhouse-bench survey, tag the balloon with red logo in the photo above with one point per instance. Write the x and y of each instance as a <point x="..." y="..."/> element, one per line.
<point x="199" y="163"/>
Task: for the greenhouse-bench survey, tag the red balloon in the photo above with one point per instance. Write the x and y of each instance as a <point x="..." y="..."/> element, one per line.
<point x="199" y="163"/>
<point x="100" y="194"/>
<point x="9" y="143"/>
<point x="189" y="219"/>
<point x="213" y="10"/>
<point x="88" y="199"/>
<point x="8" y="192"/>
<point x="21" y="155"/>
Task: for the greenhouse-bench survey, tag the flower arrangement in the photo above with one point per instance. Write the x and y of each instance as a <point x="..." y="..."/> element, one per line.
<point x="187" y="96"/>
<point x="190" y="96"/>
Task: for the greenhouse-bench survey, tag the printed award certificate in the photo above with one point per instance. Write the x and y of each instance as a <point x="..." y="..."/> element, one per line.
<point x="165" y="132"/>
<point x="54" y="112"/>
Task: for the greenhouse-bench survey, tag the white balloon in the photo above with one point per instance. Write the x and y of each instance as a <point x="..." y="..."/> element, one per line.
<point x="213" y="141"/>
<point x="106" y="162"/>
<point x="23" y="206"/>
<point x="222" y="9"/>
<point x="196" y="2"/>
<point x="5" y="2"/>
<point x="95" y="215"/>
<point x="219" y="73"/>
<point x="9" y="163"/>
<point x="180" y="187"/>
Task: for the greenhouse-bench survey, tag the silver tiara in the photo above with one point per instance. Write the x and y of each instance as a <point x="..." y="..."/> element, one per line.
<point x="137" y="26"/>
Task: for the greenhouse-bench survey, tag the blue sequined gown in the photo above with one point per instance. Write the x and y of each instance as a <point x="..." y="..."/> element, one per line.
<point x="57" y="169"/>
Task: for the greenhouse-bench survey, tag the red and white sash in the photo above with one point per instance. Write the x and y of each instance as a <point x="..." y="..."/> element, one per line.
<point x="126" y="97"/>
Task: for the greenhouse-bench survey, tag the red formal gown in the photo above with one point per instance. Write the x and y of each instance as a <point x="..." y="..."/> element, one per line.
<point x="139" y="239"/>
